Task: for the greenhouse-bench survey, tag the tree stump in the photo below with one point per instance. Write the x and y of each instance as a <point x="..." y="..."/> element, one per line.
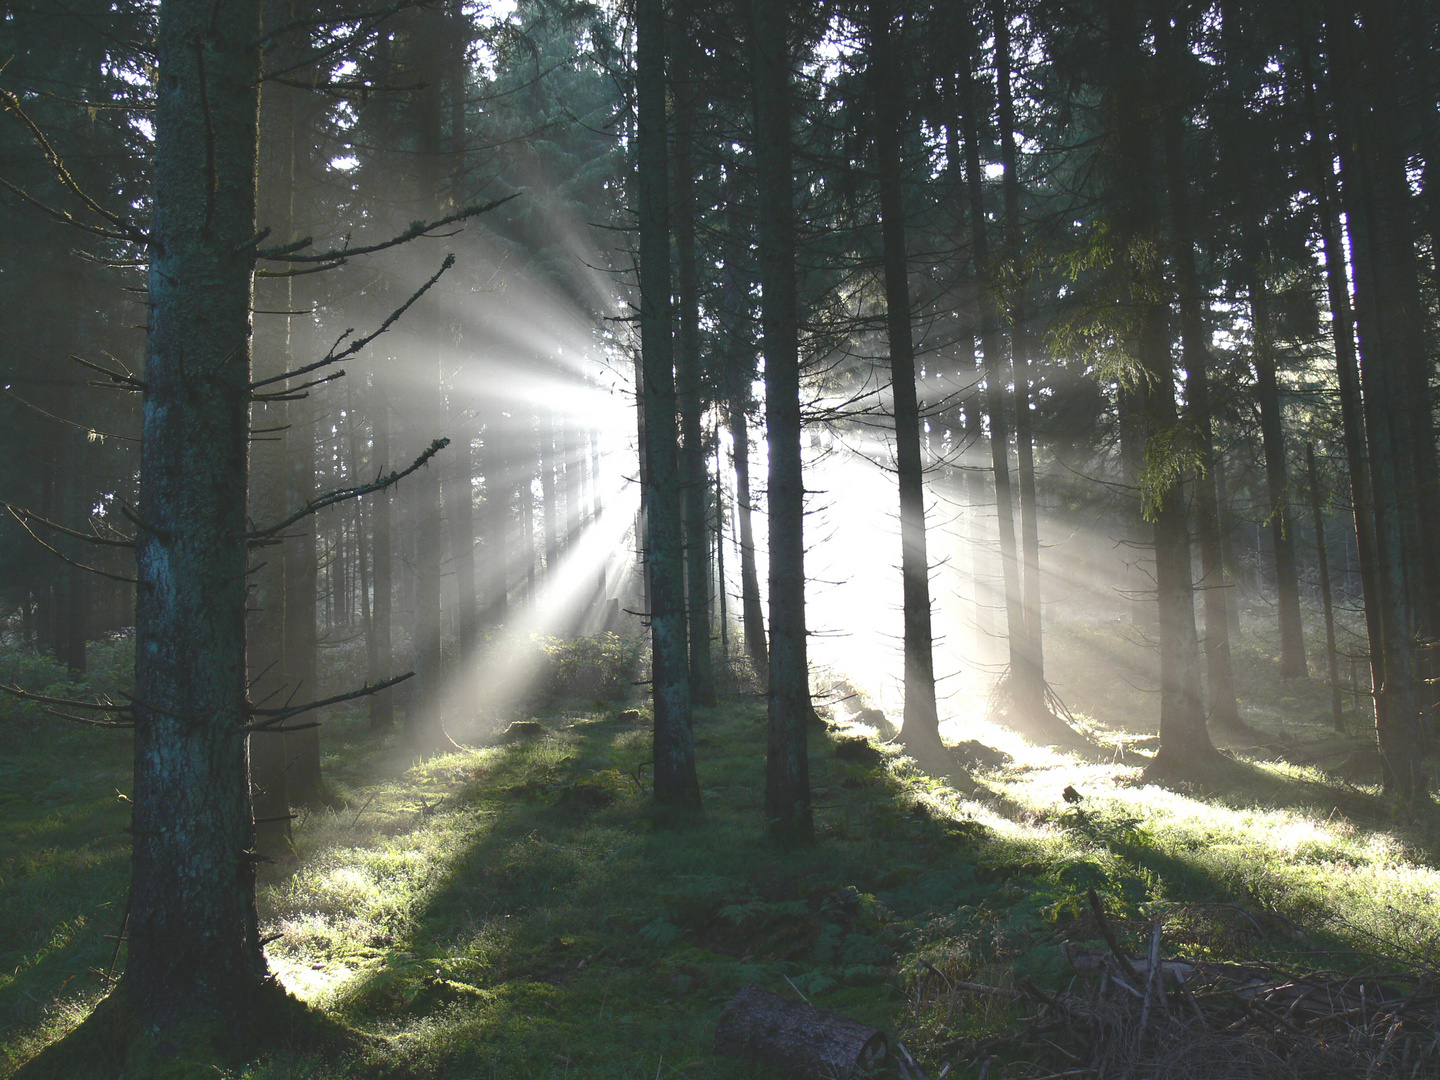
<point x="764" y="1027"/>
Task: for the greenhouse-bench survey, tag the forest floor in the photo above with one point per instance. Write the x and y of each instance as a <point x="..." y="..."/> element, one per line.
<point x="511" y="911"/>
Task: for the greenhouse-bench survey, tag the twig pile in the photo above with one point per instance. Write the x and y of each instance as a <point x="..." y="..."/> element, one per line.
<point x="1152" y="1018"/>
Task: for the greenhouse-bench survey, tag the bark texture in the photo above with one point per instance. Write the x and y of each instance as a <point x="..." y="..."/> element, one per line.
<point x="194" y="950"/>
<point x="676" y="783"/>
<point x="787" y="767"/>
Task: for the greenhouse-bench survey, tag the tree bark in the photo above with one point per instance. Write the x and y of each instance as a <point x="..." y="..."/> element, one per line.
<point x="1222" y="706"/>
<point x="382" y="705"/>
<point x="194" y="947"/>
<point x="1382" y="345"/>
<point x="677" y="786"/>
<point x="1322" y="557"/>
<point x="787" y="767"/>
<point x="1184" y="740"/>
<point x="1278" y="523"/>
<point x="689" y="374"/>
<point x="920" y="728"/>
<point x="805" y="1041"/>
<point x="995" y="374"/>
<point x="1027" y="680"/>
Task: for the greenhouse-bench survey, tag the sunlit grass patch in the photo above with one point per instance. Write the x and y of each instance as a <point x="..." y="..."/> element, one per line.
<point x="1345" y="883"/>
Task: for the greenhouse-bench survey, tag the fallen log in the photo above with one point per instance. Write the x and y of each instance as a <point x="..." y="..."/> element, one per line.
<point x="763" y="1027"/>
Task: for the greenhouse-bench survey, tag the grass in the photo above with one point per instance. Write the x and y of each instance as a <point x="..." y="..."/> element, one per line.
<point x="512" y="911"/>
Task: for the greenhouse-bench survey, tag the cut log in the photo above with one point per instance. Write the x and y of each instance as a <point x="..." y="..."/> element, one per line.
<point x="817" y="1045"/>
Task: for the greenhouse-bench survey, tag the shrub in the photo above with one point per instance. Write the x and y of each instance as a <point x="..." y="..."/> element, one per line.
<point x="601" y="667"/>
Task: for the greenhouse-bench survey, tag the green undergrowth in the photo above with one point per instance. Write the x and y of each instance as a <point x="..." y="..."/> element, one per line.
<point x="64" y="857"/>
<point x="514" y="910"/>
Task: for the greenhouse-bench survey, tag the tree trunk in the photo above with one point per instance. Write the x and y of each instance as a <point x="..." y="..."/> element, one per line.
<point x="1028" y="679"/>
<point x="677" y="786"/>
<point x="1382" y="345"/>
<point x="549" y="491"/>
<point x="995" y="380"/>
<point x="1282" y="534"/>
<point x="787" y="766"/>
<point x="751" y="610"/>
<point x="1222" y="707"/>
<point x="494" y="550"/>
<point x="382" y="705"/>
<point x="460" y="499"/>
<point x="1184" y="741"/>
<point x="689" y="375"/>
<point x="921" y="726"/>
<point x="194" y="947"/>
<point x="1332" y="662"/>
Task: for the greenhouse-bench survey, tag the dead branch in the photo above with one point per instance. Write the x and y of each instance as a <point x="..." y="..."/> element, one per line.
<point x="333" y="357"/>
<point x="290" y="252"/>
<point x="345" y="494"/>
<point x="89" y="538"/>
<point x="66" y="559"/>
<point x="279" y="716"/>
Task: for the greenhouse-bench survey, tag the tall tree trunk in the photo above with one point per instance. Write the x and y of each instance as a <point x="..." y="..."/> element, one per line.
<point x="194" y="944"/>
<point x="460" y="502"/>
<point x="787" y="766"/>
<point x="739" y="377"/>
<point x="424" y="716"/>
<point x="995" y="374"/>
<point x="1281" y="529"/>
<point x="496" y="552"/>
<point x="676" y="783"/>
<point x="1184" y="740"/>
<point x="1322" y="557"/>
<point x="1381" y="341"/>
<point x="921" y="726"/>
<point x="1347" y="368"/>
<point x="688" y="371"/>
<point x="751" y="611"/>
<point x="1028" y="680"/>
<point x="1222" y="706"/>
<point x="549" y="490"/>
<point x="382" y="705"/>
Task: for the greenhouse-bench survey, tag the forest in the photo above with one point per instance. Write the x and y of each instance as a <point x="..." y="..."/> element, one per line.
<point x="632" y="538"/>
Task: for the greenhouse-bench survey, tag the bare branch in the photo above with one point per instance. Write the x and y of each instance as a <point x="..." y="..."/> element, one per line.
<point x="89" y="538"/>
<point x="333" y="357"/>
<point x="66" y="559"/>
<point x="275" y="717"/>
<point x="88" y="722"/>
<point x="416" y="230"/>
<point x="104" y="705"/>
<point x="345" y="494"/>
<point x="129" y="382"/>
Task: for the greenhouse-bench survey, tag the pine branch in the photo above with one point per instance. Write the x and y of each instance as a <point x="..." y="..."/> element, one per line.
<point x="340" y="495"/>
<point x="11" y="103"/>
<point x="275" y="717"/>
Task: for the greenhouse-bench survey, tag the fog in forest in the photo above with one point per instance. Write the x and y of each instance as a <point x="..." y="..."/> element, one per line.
<point x="974" y="438"/>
